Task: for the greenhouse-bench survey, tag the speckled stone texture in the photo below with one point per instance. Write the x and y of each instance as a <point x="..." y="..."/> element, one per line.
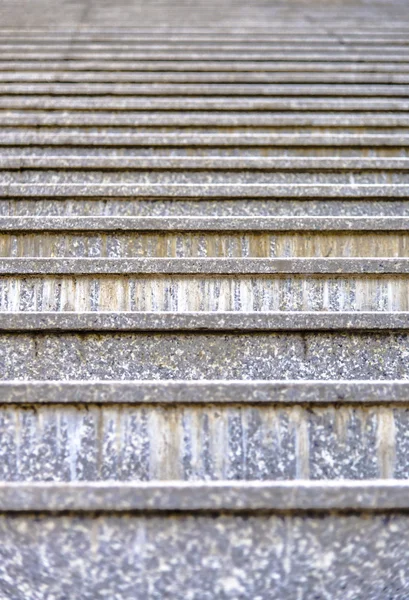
<point x="205" y="356"/>
<point x="263" y="557"/>
<point x="224" y="442"/>
<point x="204" y="300"/>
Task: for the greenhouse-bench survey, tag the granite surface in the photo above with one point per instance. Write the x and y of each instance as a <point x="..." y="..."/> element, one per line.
<point x="81" y="441"/>
<point x="261" y="223"/>
<point x="204" y="321"/>
<point x="204" y="356"/>
<point x="203" y="266"/>
<point x="263" y="557"/>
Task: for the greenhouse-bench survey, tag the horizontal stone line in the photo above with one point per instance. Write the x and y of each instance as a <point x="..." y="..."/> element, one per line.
<point x="192" y="46"/>
<point x="219" y="163"/>
<point x="218" y="54"/>
<point x="197" y="89"/>
<point x="19" y="120"/>
<point x="145" y="77"/>
<point x="197" y="45"/>
<point x="180" y="140"/>
<point x="183" y="103"/>
<point x="299" y="37"/>
<point x="205" y="392"/>
<point x="202" y="266"/>
<point x="198" y="190"/>
<point x="203" y="321"/>
<point x="204" y="66"/>
<point x="231" y="223"/>
<point x="115" y="497"/>
<point x="16" y="120"/>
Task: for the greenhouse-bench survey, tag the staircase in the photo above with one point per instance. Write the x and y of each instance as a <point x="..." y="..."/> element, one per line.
<point x="204" y="300"/>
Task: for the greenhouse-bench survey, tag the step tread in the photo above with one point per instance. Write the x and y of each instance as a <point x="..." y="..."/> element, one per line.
<point x="203" y="224"/>
<point x="202" y="392"/>
<point x="203" y="266"/>
<point x="203" y="321"/>
<point x="366" y="496"/>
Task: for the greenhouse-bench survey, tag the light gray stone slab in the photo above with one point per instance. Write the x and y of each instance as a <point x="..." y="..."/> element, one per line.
<point x="198" y="355"/>
<point x="207" y="118"/>
<point x="205" y="190"/>
<point x="205" y="392"/>
<point x="224" y="224"/>
<point x="368" y="496"/>
<point x="33" y="266"/>
<point x="263" y="557"/>
<point x="204" y="321"/>
<point x="203" y="139"/>
<point x="196" y="89"/>
<point x="222" y="163"/>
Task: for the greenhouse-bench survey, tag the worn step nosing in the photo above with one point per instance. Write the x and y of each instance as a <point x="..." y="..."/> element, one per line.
<point x="202" y="266"/>
<point x="203" y="163"/>
<point x="363" y="496"/>
<point x="202" y="90"/>
<point x="203" y="392"/>
<point x="218" y="140"/>
<point x="228" y="66"/>
<point x="203" y="321"/>
<point x="205" y="190"/>
<point x="203" y="224"/>
<point x="169" y="103"/>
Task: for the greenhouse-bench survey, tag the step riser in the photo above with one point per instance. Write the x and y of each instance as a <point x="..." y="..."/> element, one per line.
<point x="212" y="177"/>
<point x="205" y="356"/>
<point x="196" y="245"/>
<point x="110" y="207"/>
<point x="83" y="148"/>
<point x="194" y="293"/>
<point x="74" y="443"/>
<point x="261" y="556"/>
<point x="179" y="122"/>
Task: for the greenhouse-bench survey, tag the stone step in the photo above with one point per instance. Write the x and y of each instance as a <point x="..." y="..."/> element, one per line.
<point x="323" y="141"/>
<point x="33" y="75"/>
<point x="203" y="237"/>
<point x="229" y="66"/>
<point x="178" y="122"/>
<point x="214" y="103"/>
<point x="205" y="190"/>
<point x="203" y="164"/>
<point x="205" y="355"/>
<point x="204" y="321"/>
<point x="226" y="540"/>
<point x="201" y="430"/>
<point x="393" y="54"/>
<point x="338" y="224"/>
<point x="204" y="293"/>
<point x="204" y="179"/>
<point x="203" y="266"/>
<point x="231" y="90"/>
<point x="201" y="207"/>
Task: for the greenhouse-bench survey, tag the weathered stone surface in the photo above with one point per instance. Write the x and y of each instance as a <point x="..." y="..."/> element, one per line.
<point x="87" y="442"/>
<point x="284" y="355"/>
<point x="260" y="557"/>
